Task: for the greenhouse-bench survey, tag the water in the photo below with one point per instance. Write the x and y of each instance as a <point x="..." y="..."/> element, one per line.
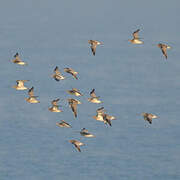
<point x="130" y="80"/>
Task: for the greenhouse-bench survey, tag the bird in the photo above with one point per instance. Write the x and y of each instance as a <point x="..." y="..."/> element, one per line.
<point x="32" y="98"/>
<point x="55" y="107"/>
<point x="94" y="43"/>
<point x="77" y="144"/>
<point x="99" y="115"/>
<point x="164" y="48"/>
<point x="20" y="85"/>
<point x="75" y="92"/>
<point x="94" y="98"/>
<point x="57" y="76"/>
<point x="104" y="117"/>
<point x="136" y="39"/>
<point x="148" y="117"/>
<point x="17" y="60"/>
<point x="72" y="72"/>
<point x="84" y="132"/>
<point x="63" y="124"/>
<point x="73" y="105"/>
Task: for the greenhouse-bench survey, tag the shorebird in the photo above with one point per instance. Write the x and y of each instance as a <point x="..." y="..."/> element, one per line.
<point x="71" y="71"/>
<point x="102" y="116"/>
<point x="55" y="107"/>
<point x="136" y="39"/>
<point x="75" y="92"/>
<point x="148" y="117"/>
<point x="57" y="76"/>
<point x="94" y="43"/>
<point x="164" y="48"/>
<point x="63" y="124"/>
<point x="73" y="105"/>
<point x="32" y="98"/>
<point x="84" y="132"/>
<point x="17" y="60"/>
<point x="94" y="98"/>
<point x="99" y="115"/>
<point x="77" y="144"/>
<point x="20" y="85"/>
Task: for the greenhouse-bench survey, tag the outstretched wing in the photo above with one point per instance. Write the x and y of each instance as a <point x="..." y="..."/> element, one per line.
<point x="135" y="34"/>
<point x="93" y="49"/>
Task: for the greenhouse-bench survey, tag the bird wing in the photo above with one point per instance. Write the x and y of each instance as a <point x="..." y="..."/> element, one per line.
<point x="54" y="102"/>
<point x="164" y="50"/>
<point x="31" y="92"/>
<point x="56" y="70"/>
<point x="135" y="34"/>
<point x="77" y="147"/>
<point x="92" y="93"/>
<point x="74" y="108"/>
<point x="93" y="49"/>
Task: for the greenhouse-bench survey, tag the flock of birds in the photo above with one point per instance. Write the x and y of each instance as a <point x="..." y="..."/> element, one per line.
<point x="101" y="114"/>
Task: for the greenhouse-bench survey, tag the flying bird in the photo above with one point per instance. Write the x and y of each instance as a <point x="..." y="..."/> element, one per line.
<point x="73" y="105"/>
<point x="17" y="60"/>
<point x="55" y="107"/>
<point x="32" y="98"/>
<point x="104" y="117"/>
<point x="20" y="85"/>
<point x="164" y="48"/>
<point x="57" y="76"/>
<point x="136" y="39"/>
<point x="94" y="98"/>
<point x="84" y="132"/>
<point x="75" y="92"/>
<point x="94" y="44"/>
<point x="63" y="124"/>
<point x="77" y="144"/>
<point x="72" y="72"/>
<point x="148" y="117"/>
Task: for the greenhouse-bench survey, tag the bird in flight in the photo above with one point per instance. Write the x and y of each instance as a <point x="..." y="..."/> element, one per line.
<point x="75" y="92"/>
<point x="32" y="98"/>
<point x="20" y="85"/>
<point x="72" y="72"/>
<point x="77" y="144"/>
<point x="94" y="44"/>
<point x="84" y="132"/>
<point x="73" y="105"/>
<point x="148" y="117"/>
<point x="17" y="60"/>
<point x="63" y="124"/>
<point x="164" y="48"/>
<point x="136" y="39"/>
<point x="57" y="76"/>
<point x="55" y="107"/>
<point x="94" y="98"/>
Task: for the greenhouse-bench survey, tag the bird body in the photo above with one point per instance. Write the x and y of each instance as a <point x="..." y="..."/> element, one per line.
<point x="75" y="92"/>
<point x="94" y="44"/>
<point x="63" y="124"/>
<point x="57" y="74"/>
<point x="77" y="144"/>
<point x="72" y="72"/>
<point x="20" y="85"/>
<point x="94" y="98"/>
<point x="55" y="107"/>
<point x="84" y="132"/>
<point x="18" y="61"/>
<point x="136" y="39"/>
<point x="32" y="98"/>
<point x="148" y="117"/>
<point x="73" y="105"/>
<point x="164" y="48"/>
